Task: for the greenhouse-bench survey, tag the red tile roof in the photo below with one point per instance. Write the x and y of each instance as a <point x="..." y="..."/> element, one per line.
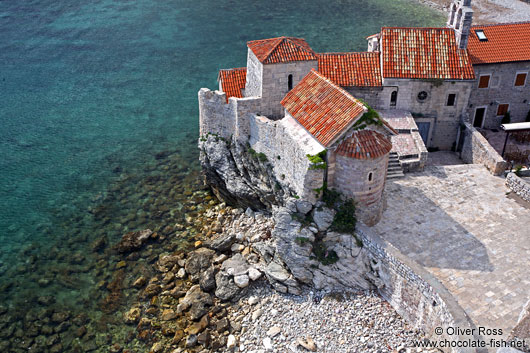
<point x="233" y="81"/>
<point x="506" y="42"/>
<point x="281" y="50"/>
<point x="322" y="108"/>
<point x="424" y="53"/>
<point x="351" y="69"/>
<point x="364" y="144"/>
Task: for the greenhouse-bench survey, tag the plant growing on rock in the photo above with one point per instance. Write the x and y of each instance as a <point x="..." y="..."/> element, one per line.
<point x="323" y="254"/>
<point x="345" y="220"/>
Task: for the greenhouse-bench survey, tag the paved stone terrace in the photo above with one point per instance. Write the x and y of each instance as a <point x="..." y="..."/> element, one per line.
<point x="458" y="222"/>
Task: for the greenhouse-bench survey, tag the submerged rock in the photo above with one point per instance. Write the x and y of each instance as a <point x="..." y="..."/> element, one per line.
<point x="133" y="240"/>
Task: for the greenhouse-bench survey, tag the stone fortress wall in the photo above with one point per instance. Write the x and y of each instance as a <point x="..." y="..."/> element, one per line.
<point x="415" y="294"/>
<point x="501" y="90"/>
<point x="477" y="150"/>
<point x="284" y="142"/>
<point x="519" y="186"/>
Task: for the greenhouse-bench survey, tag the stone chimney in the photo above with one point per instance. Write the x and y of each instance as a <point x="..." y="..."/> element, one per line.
<point x="460" y="20"/>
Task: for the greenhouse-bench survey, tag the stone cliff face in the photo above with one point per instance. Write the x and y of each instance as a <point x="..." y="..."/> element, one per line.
<point x="239" y="177"/>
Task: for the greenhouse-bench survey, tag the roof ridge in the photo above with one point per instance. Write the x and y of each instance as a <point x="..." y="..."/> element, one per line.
<point x="440" y="28"/>
<point x="278" y="41"/>
<point x="342" y="90"/>
<point x="348" y="52"/>
<point x="501" y="24"/>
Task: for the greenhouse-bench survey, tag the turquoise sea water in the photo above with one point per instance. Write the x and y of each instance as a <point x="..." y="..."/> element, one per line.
<point x="100" y="97"/>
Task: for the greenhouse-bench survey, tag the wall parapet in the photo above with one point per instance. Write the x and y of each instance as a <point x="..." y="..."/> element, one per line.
<point x="477" y="150"/>
<point x="416" y="294"/>
<point x="519" y="186"/>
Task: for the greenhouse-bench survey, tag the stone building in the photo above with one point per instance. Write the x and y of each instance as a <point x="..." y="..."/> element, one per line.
<point x="292" y="104"/>
<point x="500" y="54"/>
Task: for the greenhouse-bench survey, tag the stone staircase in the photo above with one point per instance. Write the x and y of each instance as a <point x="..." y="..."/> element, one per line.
<point x="394" y="168"/>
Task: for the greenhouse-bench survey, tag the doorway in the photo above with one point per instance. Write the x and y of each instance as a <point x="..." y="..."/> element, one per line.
<point x="480" y="113"/>
<point x="423" y="129"/>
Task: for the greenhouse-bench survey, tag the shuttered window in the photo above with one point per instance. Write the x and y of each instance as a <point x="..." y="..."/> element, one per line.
<point x="520" y="79"/>
<point x="502" y="109"/>
<point x="484" y="81"/>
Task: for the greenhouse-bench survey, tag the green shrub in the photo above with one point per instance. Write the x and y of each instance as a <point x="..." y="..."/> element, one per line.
<point x="301" y="240"/>
<point x="345" y="220"/>
<point x="318" y="161"/>
<point x="323" y="255"/>
<point x="331" y="197"/>
<point x="262" y="157"/>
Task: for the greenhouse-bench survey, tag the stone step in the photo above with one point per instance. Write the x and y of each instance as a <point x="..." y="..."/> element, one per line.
<point x="399" y="175"/>
<point x="394" y="170"/>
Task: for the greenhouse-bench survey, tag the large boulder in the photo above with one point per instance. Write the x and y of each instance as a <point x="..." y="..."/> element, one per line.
<point x="221" y="243"/>
<point x="207" y="279"/>
<point x="199" y="260"/>
<point x="226" y="287"/>
<point x="196" y="301"/>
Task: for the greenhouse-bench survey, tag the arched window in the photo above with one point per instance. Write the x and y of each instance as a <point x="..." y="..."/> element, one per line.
<point x="370" y="176"/>
<point x="453" y="11"/>
<point x="458" y="18"/>
<point x="290" y="82"/>
<point x="393" y="98"/>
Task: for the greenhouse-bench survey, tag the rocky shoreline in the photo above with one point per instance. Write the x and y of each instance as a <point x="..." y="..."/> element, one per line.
<point x="221" y="297"/>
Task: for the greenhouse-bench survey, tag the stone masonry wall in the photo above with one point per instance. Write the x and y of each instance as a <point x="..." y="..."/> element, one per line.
<point x="374" y="96"/>
<point x="286" y="145"/>
<point x="254" y="75"/>
<point x="477" y="150"/>
<point x="275" y="84"/>
<point x="226" y="119"/>
<point x="414" y="293"/>
<point x="519" y="186"/>
<point x="215" y="115"/>
<point x="444" y="119"/>
<point x="351" y="177"/>
<point x="501" y="91"/>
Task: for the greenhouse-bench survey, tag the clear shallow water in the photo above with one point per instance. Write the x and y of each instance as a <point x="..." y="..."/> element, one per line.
<point x="92" y="91"/>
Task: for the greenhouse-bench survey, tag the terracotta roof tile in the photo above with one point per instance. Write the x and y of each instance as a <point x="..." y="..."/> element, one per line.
<point x="351" y="69"/>
<point x="233" y="81"/>
<point x="322" y="108"/>
<point x="281" y="49"/>
<point x="364" y="144"/>
<point x="505" y="42"/>
<point x="424" y="53"/>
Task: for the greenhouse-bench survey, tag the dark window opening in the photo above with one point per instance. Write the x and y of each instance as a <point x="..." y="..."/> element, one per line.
<point x="393" y="98"/>
<point x="422" y="95"/>
<point x="290" y="82"/>
<point x="451" y="99"/>
<point x="370" y="175"/>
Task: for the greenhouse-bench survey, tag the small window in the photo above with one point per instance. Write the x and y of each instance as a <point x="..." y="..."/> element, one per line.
<point x="370" y="176"/>
<point x="423" y="95"/>
<point x="520" y="79"/>
<point x="290" y="82"/>
<point x="502" y="109"/>
<point x="393" y="98"/>
<point x="484" y="81"/>
<point x="481" y="35"/>
<point x="451" y="99"/>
